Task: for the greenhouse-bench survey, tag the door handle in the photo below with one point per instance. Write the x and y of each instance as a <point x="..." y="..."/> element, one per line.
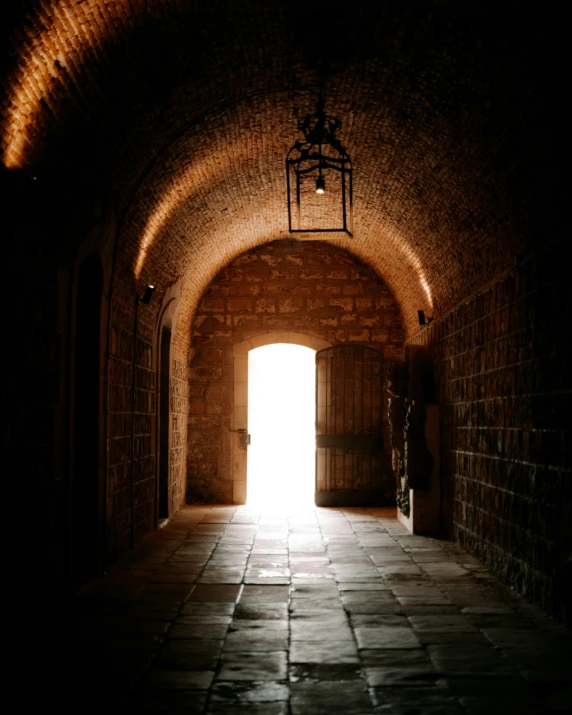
<point x="243" y="433"/>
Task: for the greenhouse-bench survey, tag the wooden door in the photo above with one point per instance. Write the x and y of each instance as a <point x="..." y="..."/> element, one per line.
<point x="349" y="426"/>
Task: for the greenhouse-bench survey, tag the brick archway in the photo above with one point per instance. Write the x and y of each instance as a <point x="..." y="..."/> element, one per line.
<point x="305" y="292"/>
<point x="240" y="414"/>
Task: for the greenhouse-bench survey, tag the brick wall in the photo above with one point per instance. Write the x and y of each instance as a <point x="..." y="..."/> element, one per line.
<point x="130" y="494"/>
<point x="502" y="360"/>
<point x="306" y="287"/>
<point x="119" y="440"/>
<point x="179" y="389"/>
<point x="126" y="501"/>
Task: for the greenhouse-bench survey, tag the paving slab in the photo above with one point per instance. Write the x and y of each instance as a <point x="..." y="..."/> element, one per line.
<point x="372" y="637"/>
<point x="188" y="655"/>
<point x="349" y="697"/>
<point x="256" y="640"/>
<point x="264" y="611"/>
<point x="237" y="692"/>
<point x="253" y="666"/>
<point x="234" y="610"/>
<point x="320" y="672"/>
<point x="323" y="652"/>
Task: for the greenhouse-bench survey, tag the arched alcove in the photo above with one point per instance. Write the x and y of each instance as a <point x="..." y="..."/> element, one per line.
<point x="167" y="460"/>
<point x="305" y="292"/>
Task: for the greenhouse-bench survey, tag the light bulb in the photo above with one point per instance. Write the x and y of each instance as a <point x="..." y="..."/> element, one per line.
<point x="320" y="185"/>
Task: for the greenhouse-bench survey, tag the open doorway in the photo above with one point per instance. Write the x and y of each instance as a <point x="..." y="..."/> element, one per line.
<point x="281" y="422"/>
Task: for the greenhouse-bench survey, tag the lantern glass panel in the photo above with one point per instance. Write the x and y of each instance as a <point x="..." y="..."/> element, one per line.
<point x="321" y="211"/>
<point x="319" y="179"/>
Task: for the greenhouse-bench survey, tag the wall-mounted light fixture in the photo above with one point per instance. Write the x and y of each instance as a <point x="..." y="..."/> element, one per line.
<point x="147" y="295"/>
<point x="422" y="319"/>
<point x="312" y="159"/>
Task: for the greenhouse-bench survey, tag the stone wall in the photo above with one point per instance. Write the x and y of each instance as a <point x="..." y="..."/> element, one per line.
<point x="308" y="287"/>
<point x="503" y="366"/>
<point x="130" y="494"/>
<point x="179" y="388"/>
<point x="131" y="507"/>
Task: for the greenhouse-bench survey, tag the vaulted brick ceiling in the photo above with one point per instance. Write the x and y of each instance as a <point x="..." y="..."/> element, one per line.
<point x="187" y="110"/>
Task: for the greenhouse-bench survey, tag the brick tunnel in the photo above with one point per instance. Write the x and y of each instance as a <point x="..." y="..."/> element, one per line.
<point x="148" y="252"/>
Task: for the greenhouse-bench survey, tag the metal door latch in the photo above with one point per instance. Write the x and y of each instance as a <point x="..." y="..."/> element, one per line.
<point x="244" y="434"/>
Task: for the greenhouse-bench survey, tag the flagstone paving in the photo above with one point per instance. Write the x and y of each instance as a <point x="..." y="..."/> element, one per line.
<point x="231" y="610"/>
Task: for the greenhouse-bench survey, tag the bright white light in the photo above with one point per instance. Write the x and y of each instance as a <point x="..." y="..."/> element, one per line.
<point x="281" y="422"/>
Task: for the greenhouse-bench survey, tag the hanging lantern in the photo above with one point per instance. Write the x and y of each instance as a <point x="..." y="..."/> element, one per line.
<point x="319" y="179"/>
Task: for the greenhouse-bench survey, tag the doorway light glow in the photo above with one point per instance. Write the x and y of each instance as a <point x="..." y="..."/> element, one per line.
<point x="281" y="422"/>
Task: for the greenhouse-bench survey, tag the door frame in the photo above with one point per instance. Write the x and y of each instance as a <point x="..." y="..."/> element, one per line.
<point x="166" y="319"/>
<point x="240" y="411"/>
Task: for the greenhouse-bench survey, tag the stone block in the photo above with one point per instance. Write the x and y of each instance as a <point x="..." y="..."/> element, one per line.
<point x="277" y="288"/>
<point x="254" y="275"/>
<point x="246" y="321"/>
<point x="294" y="260"/>
<point x="338" y="274"/>
<point x="359" y="336"/>
<point x="235" y="274"/>
<point x="197" y="406"/>
<point x="278" y="322"/>
<point x="283" y="274"/>
<point x="315" y="304"/>
<point x="245" y="260"/>
<point x="310" y="274"/>
<point x="247" y="289"/>
<point x="369" y="321"/>
<point x="212" y="305"/>
<point x="352" y="289"/>
<point x="264" y="305"/>
<point x="271" y="259"/>
<point x="345" y="304"/>
<point x="327" y="289"/>
<point x="305" y="322"/>
<point x="290" y="305"/>
<point x="350" y="319"/>
<point x="240" y="305"/>
<point x="303" y="289"/>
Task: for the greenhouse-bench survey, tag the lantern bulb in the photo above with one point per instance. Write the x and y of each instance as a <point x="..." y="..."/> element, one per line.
<point x="320" y="185"/>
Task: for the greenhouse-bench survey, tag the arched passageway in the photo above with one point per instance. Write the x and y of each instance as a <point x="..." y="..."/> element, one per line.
<point x="155" y="134"/>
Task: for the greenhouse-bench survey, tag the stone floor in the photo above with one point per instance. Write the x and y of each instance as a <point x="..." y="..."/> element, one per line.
<point x="229" y="610"/>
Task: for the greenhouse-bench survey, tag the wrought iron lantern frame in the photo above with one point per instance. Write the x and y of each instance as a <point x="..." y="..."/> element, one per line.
<point x="307" y="156"/>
